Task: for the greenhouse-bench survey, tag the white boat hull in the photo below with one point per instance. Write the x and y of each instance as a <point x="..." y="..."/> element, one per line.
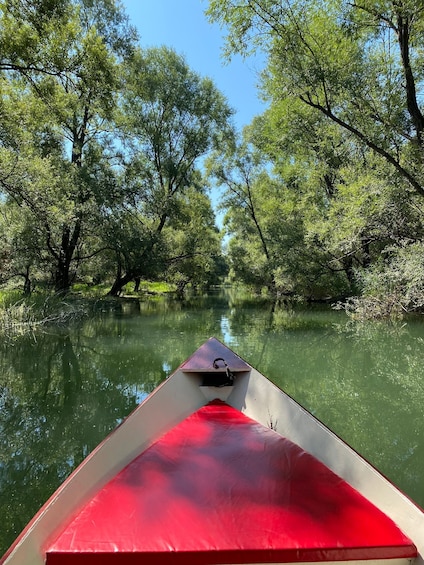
<point x="178" y="397"/>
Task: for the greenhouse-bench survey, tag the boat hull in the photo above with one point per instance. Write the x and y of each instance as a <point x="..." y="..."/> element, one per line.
<point x="175" y="400"/>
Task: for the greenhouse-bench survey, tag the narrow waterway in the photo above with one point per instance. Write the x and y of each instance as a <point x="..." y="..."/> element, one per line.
<point x="61" y="392"/>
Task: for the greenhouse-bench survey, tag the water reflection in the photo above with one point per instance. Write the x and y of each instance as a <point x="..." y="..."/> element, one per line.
<point x="62" y="392"/>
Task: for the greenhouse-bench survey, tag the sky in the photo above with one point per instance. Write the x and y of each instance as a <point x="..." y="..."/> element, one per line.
<point x="182" y="25"/>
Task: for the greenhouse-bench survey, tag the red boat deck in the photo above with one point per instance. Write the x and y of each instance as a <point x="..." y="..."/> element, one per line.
<point x="221" y="488"/>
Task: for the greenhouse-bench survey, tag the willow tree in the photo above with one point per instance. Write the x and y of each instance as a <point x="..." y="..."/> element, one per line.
<point x="64" y="81"/>
<point x="32" y="35"/>
<point x="171" y="118"/>
<point x="194" y="244"/>
<point x="359" y="64"/>
<point x="237" y="170"/>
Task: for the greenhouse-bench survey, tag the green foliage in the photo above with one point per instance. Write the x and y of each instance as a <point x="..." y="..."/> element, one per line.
<point x="34" y="35"/>
<point x="358" y="66"/>
<point x="170" y="118"/>
<point x="269" y="220"/>
<point x="87" y="182"/>
<point x="195" y="243"/>
<point x="101" y="146"/>
<point x="393" y="286"/>
<point x="343" y="137"/>
<point x="62" y="90"/>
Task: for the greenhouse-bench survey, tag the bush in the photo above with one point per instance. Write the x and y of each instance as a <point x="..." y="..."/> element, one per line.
<point x="392" y="287"/>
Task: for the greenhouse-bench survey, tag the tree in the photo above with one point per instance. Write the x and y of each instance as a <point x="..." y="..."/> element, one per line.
<point x="71" y="87"/>
<point x="32" y="35"/>
<point x="91" y="95"/>
<point x="194" y="243"/>
<point x="326" y="211"/>
<point x="318" y="165"/>
<point x="352" y="205"/>
<point x="238" y="170"/>
<point x="171" y="117"/>
<point x="344" y="82"/>
<point x="358" y="64"/>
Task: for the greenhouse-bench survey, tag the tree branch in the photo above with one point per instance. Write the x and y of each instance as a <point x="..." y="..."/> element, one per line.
<point x="371" y="144"/>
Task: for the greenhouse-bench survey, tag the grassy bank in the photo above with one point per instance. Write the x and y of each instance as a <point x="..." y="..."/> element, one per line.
<point x="146" y="287"/>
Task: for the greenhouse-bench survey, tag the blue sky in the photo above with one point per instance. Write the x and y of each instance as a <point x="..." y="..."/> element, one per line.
<point x="182" y="25"/>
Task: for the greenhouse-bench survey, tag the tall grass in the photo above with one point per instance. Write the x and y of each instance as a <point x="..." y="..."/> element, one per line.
<point x="19" y="315"/>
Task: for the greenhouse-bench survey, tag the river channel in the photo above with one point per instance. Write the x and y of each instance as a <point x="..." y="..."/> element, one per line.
<point x="63" y="390"/>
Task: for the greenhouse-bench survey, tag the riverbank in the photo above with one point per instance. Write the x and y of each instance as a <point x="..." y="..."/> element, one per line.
<point x="20" y="314"/>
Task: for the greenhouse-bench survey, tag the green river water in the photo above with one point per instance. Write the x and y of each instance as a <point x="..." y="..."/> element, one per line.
<point x="63" y="390"/>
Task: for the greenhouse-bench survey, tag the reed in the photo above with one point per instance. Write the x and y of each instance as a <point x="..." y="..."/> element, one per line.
<point x="20" y="315"/>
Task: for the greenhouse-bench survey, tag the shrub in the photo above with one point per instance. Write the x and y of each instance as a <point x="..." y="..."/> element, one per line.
<point x="392" y="287"/>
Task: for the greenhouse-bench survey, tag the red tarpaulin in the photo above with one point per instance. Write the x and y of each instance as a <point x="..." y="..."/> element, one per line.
<point x="221" y="488"/>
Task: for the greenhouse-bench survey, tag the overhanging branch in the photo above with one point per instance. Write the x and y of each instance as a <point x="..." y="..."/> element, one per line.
<point x="368" y="142"/>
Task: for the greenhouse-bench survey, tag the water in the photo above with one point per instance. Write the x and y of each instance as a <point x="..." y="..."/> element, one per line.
<point x="61" y="392"/>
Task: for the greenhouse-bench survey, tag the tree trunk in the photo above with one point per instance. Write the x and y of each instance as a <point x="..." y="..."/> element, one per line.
<point x="119" y="283"/>
<point x="137" y="284"/>
<point x="403" y="27"/>
<point x="62" y="282"/>
<point x="347" y="263"/>
<point x="27" y="283"/>
<point x="366" y="261"/>
<point x="67" y="250"/>
<point x="71" y="236"/>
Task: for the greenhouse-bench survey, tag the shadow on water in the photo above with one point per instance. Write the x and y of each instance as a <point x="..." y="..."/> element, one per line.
<point x="61" y="392"/>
